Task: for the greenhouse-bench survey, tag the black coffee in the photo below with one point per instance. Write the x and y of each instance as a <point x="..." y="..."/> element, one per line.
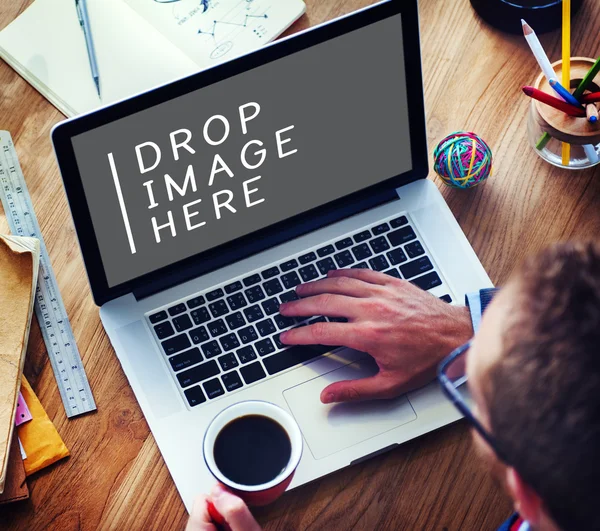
<point x="252" y="450"/>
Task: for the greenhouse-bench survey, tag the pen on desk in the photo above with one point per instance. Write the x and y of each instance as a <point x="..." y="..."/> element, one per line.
<point x="546" y="98"/>
<point x="564" y="93"/>
<point x="84" y="21"/>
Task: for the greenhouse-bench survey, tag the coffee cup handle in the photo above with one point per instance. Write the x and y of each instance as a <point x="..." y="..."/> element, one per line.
<point x="217" y="518"/>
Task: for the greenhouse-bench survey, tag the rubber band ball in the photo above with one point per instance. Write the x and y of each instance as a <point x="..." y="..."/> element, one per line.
<point x="463" y="160"/>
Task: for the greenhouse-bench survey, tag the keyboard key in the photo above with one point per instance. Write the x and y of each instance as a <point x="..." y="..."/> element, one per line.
<point x="278" y="342"/>
<point x="400" y="236"/>
<point x="214" y="294"/>
<point x="216" y="328"/>
<point x="317" y="320"/>
<point x="265" y="346"/>
<point x="416" y="267"/>
<point x="344" y="259"/>
<point x="176" y="344"/>
<point x="248" y="334"/>
<point x="236" y="301"/>
<point x="183" y="322"/>
<point x="379" y="245"/>
<point x="446" y="298"/>
<point x="253" y="372"/>
<point x="393" y="273"/>
<point x="283" y="322"/>
<point x="290" y="280"/>
<point x="308" y="273"/>
<point x="324" y="251"/>
<point x="185" y="359"/>
<point x="232" y="381"/>
<point x="289" y="296"/>
<point x="397" y="256"/>
<point x="362" y="236"/>
<point x="306" y="258"/>
<point x="254" y="294"/>
<point x="157" y="317"/>
<point x="294" y="356"/>
<point x="398" y="222"/>
<point x="379" y="263"/>
<point x="246" y="354"/>
<point x="218" y="308"/>
<point x="199" y="373"/>
<point x="228" y="361"/>
<point x="233" y="287"/>
<point x="195" y="302"/>
<point x="271" y="306"/>
<point x="380" y="229"/>
<point x="360" y="265"/>
<point x="213" y="388"/>
<point x="200" y="315"/>
<point x="194" y="396"/>
<point x="361" y="251"/>
<point x="235" y="320"/>
<point x="270" y="273"/>
<point x="325" y="265"/>
<point x="272" y="287"/>
<point x="211" y="349"/>
<point x="177" y="309"/>
<point x="265" y="327"/>
<point x="163" y="330"/>
<point x="428" y="281"/>
<point x="344" y="244"/>
<point x="229" y="342"/>
<point x="289" y="265"/>
<point x="199" y="335"/>
<point x="414" y="249"/>
<point x="251" y="280"/>
<point x="254" y="313"/>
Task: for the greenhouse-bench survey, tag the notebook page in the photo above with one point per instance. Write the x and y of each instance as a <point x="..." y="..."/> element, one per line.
<point x="46" y="45"/>
<point x="213" y="31"/>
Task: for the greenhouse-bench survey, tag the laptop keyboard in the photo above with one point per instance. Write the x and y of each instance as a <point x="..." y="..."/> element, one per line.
<point x="226" y="338"/>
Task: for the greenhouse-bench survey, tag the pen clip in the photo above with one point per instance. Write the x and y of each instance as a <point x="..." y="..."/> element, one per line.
<point x="79" y="13"/>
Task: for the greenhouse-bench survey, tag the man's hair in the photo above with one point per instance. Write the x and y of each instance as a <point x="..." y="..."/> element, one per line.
<point x="544" y="395"/>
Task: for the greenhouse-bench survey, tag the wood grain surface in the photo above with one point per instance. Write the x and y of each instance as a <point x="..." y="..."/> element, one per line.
<point x="116" y="478"/>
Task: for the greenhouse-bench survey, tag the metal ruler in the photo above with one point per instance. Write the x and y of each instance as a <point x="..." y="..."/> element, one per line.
<point x="49" y="308"/>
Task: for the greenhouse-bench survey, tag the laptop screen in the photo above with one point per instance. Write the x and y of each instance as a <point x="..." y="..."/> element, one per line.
<point x="247" y="152"/>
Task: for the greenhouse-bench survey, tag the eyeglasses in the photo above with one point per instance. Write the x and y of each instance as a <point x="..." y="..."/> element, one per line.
<point x="452" y="376"/>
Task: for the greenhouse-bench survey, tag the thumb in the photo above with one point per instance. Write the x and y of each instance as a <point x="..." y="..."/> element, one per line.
<point x="233" y="509"/>
<point x="378" y="386"/>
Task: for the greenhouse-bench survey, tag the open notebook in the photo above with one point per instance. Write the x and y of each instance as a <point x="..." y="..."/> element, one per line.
<point x="139" y="44"/>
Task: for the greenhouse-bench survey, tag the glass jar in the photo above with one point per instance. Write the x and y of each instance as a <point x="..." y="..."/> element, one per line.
<point x="548" y="128"/>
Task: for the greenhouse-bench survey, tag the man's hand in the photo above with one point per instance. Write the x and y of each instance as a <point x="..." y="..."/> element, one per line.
<point x="233" y="509"/>
<point x="408" y="331"/>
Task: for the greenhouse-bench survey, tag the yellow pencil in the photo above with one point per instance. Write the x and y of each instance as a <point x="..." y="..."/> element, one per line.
<point x="566" y="65"/>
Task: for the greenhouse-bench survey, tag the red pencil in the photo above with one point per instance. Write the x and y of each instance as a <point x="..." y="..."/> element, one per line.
<point x="590" y="98"/>
<point x="544" y="97"/>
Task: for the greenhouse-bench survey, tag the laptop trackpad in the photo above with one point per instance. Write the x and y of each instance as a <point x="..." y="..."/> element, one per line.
<point x="329" y="428"/>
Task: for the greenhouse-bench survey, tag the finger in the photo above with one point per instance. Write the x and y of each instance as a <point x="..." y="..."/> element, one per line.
<point x="341" y="285"/>
<point x="199" y="518"/>
<point x="324" y="304"/>
<point x="366" y="275"/>
<point x="233" y="509"/>
<point x="377" y="386"/>
<point x="332" y="334"/>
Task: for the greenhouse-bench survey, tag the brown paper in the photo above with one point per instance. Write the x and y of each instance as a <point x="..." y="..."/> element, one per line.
<point x="15" y="488"/>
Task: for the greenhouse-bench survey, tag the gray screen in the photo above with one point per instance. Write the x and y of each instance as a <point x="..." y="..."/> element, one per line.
<point x="226" y="160"/>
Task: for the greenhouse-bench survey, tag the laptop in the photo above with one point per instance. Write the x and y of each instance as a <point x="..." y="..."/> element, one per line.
<point x="200" y="205"/>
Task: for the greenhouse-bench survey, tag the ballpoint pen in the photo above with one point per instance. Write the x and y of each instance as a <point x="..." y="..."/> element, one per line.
<point x="84" y="21"/>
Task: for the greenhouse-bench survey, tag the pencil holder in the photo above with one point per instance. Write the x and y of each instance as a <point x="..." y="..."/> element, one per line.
<point x="548" y="128"/>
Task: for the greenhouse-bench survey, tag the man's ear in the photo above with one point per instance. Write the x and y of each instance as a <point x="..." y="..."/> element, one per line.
<point x="527" y="503"/>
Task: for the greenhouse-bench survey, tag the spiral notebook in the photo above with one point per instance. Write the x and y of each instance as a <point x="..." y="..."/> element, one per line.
<point x="139" y="44"/>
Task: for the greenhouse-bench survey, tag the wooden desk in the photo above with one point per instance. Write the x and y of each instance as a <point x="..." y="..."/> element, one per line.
<point x="116" y="479"/>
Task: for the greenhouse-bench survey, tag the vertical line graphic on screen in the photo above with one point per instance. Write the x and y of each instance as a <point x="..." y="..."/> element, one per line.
<point x="113" y="170"/>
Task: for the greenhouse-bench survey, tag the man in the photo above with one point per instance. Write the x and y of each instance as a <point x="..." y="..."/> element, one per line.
<point x="533" y="373"/>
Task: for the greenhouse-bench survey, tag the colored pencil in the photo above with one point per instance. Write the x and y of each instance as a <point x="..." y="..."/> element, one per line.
<point x="564" y="93"/>
<point x="566" y="65"/>
<point x="561" y="105"/>
<point x="591" y="112"/>
<point x="592" y="97"/>
<point x="538" y="51"/>
<point x="589" y="77"/>
<point x="591" y="153"/>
